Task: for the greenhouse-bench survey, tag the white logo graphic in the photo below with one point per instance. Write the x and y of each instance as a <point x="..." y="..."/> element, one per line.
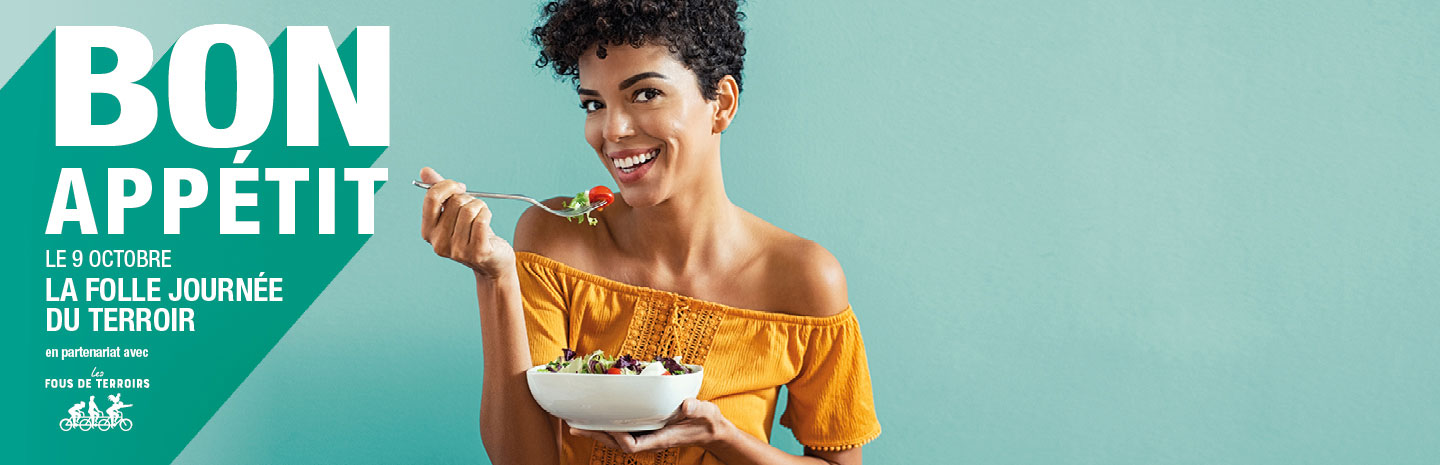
<point x="112" y="418"/>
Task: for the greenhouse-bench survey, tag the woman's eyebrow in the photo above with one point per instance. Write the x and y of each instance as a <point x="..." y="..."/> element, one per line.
<point x="630" y="81"/>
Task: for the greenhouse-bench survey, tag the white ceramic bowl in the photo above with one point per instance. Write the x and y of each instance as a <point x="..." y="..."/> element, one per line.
<point x="613" y="402"/>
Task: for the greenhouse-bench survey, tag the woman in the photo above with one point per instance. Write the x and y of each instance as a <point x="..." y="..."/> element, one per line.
<point x="673" y="267"/>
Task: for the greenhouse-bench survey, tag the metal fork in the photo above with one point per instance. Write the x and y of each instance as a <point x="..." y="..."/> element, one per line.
<point x="565" y="213"/>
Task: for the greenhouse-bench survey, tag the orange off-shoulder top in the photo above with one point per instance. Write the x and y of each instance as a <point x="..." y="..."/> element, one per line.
<point x="747" y="354"/>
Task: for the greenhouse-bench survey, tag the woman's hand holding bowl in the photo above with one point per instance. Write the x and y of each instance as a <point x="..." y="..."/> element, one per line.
<point x="695" y="423"/>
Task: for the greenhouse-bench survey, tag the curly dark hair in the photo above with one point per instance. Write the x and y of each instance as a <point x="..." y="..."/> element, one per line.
<point x="705" y="35"/>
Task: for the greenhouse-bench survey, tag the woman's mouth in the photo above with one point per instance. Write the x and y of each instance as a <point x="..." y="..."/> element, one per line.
<point x="630" y="169"/>
<point x="633" y="163"/>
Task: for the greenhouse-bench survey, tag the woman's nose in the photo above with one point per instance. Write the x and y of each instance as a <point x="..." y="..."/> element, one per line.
<point x="618" y="126"/>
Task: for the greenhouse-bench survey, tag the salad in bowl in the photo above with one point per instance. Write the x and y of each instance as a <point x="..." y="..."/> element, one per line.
<point x="598" y="363"/>
<point x="604" y="393"/>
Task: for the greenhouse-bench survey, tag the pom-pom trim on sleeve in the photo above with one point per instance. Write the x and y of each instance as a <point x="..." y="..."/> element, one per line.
<point x="837" y="448"/>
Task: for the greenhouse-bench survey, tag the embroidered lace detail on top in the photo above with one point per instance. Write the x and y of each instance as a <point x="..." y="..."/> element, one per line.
<point x="663" y="329"/>
<point x="607" y="456"/>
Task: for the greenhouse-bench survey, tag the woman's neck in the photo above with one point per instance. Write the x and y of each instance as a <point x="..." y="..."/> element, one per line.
<point x="697" y="226"/>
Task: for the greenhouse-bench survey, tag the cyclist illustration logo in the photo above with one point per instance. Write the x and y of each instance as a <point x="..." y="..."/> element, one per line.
<point x="113" y="418"/>
<point x="75" y="412"/>
<point x="115" y="405"/>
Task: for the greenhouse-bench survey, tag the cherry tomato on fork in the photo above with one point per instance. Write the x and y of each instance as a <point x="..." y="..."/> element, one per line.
<point x="598" y="194"/>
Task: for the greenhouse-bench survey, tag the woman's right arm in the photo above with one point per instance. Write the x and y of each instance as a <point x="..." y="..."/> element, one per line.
<point x="513" y="428"/>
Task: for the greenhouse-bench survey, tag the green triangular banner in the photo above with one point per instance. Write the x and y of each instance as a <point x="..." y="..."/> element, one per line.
<point x="184" y="376"/>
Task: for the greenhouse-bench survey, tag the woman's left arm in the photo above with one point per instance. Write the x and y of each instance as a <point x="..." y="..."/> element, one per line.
<point x="699" y="423"/>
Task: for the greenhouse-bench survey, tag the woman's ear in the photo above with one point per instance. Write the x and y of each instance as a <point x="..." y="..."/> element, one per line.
<point x="727" y="99"/>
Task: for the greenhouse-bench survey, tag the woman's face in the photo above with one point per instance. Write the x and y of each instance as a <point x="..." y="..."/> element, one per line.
<point x="647" y="121"/>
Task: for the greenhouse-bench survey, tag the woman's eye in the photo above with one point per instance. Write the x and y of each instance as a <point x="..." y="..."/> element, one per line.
<point x="644" y="95"/>
<point x="590" y="106"/>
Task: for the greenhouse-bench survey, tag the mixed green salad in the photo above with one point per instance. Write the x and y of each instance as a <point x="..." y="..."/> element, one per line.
<point x="600" y="364"/>
<point x="597" y="194"/>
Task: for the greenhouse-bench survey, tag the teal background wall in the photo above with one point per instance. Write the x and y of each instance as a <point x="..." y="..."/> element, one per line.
<point x="1075" y="232"/>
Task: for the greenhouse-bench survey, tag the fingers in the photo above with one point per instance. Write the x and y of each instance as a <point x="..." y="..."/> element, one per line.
<point x="480" y="232"/>
<point x="688" y="409"/>
<point x="637" y="442"/>
<point x="430" y="175"/>
<point x="618" y="440"/>
<point x="599" y="436"/>
<point x="433" y="209"/>
<point x="445" y="229"/>
<point x="430" y="210"/>
<point x="692" y="424"/>
<point x="656" y="440"/>
<point x="692" y="408"/>
<point x="443" y="236"/>
<point x="630" y="444"/>
<point x="472" y="226"/>
<point x="457" y="225"/>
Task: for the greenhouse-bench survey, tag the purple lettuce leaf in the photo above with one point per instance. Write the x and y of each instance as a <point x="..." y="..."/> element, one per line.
<point x="674" y="367"/>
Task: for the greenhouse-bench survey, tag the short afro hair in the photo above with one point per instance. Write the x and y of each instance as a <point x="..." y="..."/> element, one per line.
<point x="705" y="35"/>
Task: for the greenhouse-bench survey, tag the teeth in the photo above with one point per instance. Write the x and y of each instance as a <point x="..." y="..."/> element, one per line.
<point x="630" y="162"/>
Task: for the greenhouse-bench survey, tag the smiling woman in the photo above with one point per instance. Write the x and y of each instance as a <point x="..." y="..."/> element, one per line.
<point x="674" y="269"/>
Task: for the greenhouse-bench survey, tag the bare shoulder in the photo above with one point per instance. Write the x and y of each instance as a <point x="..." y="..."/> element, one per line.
<point x="545" y="234"/>
<point x="807" y="278"/>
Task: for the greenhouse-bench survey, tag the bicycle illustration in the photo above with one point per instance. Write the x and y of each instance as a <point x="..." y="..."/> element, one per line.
<point x="113" y="417"/>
